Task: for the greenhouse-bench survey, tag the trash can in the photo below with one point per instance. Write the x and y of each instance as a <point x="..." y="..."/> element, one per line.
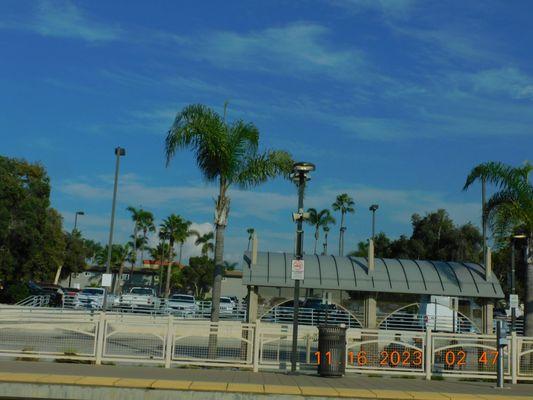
<point x="332" y="350"/>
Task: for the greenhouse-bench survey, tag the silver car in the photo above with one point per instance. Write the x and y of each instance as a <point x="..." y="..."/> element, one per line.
<point x="182" y="304"/>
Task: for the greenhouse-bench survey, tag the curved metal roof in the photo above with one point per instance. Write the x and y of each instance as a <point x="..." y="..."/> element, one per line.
<point x="389" y="275"/>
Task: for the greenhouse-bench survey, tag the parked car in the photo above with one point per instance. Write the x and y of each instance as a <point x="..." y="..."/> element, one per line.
<point x="227" y="306"/>
<point x="91" y="297"/>
<point x="70" y="297"/>
<point x="48" y="289"/>
<point x="140" y="298"/>
<point x="182" y="304"/>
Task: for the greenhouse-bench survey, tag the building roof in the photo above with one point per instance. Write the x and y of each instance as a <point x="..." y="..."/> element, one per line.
<point x="389" y="276"/>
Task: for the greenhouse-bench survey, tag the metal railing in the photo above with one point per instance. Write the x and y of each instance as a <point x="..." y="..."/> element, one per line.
<point x="35" y="301"/>
<point x="311" y="316"/>
<point x="110" y="337"/>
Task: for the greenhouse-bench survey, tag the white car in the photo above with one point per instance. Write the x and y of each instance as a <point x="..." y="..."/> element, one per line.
<point x="182" y="304"/>
<point x="227" y="306"/>
<point x="140" y="298"/>
<point x="90" y="297"/>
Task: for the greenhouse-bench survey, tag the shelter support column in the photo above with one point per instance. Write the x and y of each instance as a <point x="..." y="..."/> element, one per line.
<point x="488" y="305"/>
<point x="488" y="310"/>
<point x="370" y="311"/>
<point x="252" y="304"/>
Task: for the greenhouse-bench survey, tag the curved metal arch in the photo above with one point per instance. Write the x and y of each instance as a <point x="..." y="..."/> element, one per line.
<point x="352" y="315"/>
<point x="384" y="341"/>
<point x="397" y="310"/>
<point x="463" y="345"/>
<point x="459" y="314"/>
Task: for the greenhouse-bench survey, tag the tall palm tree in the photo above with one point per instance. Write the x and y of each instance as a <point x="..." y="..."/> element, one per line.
<point x="345" y="205"/>
<point x="250" y="232"/>
<point x="173" y="226"/>
<point x="325" y="245"/>
<point x="319" y="219"/>
<point x="205" y="240"/>
<point x="145" y="224"/>
<point x="122" y="253"/>
<point x="226" y="153"/>
<point x="164" y="248"/>
<point x="135" y="217"/>
<point x="510" y="209"/>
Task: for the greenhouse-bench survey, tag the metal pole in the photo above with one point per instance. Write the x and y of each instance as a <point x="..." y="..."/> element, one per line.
<point x="75" y="221"/>
<point x="373" y="223"/>
<point x="513" y="288"/>
<point x="483" y="219"/>
<point x="499" y="367"/>
<point x="112" y="225"/>
<point x="299" y="255"/>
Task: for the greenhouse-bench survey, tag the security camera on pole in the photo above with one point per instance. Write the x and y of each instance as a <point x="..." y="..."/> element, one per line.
<point x="300" y="175"/>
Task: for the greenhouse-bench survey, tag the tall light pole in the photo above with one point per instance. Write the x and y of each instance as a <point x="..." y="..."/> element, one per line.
<point x="514" y="238"/>
<point x="300" y="175"/>
<point x="119" y="151"/>
<point x="76" y="219"/>
<point x="373" y="208"/>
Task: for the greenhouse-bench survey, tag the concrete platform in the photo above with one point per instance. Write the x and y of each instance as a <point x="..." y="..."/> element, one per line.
<point x="22" y="379"/>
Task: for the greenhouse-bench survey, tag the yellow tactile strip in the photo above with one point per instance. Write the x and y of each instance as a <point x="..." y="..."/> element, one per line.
<point x="306" y="390"/>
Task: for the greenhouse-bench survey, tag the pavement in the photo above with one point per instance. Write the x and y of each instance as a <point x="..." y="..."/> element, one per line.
<point x="25" y="379"/>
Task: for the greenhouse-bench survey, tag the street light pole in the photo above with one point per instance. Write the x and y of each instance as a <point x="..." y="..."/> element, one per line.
<point x="119" y="151"/>
<point x="513" y="288"/>
<point x="300" y="170"/>
<point x="76" y="219"/>
<point x="373" y="208"/>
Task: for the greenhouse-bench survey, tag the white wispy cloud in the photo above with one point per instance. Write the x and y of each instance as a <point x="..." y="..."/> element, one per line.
<point x="64" y="19"/>
<point x="389" y="8"/>
<point x="289" y="49"/>
<point x="507" y="81"/>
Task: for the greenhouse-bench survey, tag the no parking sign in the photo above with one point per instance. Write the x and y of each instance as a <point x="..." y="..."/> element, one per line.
<point x="298" y="270"/>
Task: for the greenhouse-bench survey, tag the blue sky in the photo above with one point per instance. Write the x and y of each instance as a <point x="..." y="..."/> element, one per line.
<point x="394" y="101"/>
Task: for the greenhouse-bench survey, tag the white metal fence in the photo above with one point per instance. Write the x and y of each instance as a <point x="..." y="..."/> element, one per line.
<point x="59" y="334"/>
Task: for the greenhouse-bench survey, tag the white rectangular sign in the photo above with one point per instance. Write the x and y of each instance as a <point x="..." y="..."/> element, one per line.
<point x="107" y="280"/>
<point x="297" y="270"/>
<point x="513" y="301"/>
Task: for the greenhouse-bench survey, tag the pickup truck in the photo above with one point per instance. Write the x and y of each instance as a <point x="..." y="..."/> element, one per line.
<point x="140" y="298"/>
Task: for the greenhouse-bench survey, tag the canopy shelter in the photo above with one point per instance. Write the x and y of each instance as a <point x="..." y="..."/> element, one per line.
<point x="456" y="279"/>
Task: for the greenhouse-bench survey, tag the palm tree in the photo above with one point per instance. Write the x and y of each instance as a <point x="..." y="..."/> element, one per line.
<point x="122" y="254"/>
<point x="508" y="210"/>
<point x="173" y="226"/>
<point x="326" y="231"/>
<point x="205" y="240"/>
<point x="226" y="153"/>
<point x="164" y="248"/>
<point x="230" y="266"/>
<point x="345" y="205"/>
<point x="145" y="224"/>
<point x="319" y="220"/>
<point x="135" y="217"/>
<point x="250" y="232"/>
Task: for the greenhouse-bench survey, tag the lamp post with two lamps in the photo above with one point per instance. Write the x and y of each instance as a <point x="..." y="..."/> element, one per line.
<point x="300" y="175"/>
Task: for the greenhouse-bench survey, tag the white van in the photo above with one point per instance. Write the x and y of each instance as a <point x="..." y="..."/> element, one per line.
<point x="437" y="314"/>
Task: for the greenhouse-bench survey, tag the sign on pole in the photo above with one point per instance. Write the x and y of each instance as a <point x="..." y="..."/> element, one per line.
<point x="297" y="270"/>
<point x="513" y="301"/>
<point x="107" y="280"/>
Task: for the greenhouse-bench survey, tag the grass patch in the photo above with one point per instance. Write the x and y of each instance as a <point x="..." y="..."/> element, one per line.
<point x="28" y="349"/>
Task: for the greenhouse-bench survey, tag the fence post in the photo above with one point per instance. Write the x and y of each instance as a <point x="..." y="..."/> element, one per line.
<point x="428" y="354"/>
<point x="514" y="351"/>
<point x="100" y="338"/>
<point x="257" y="345"/>
<point x="169" y="339"/>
